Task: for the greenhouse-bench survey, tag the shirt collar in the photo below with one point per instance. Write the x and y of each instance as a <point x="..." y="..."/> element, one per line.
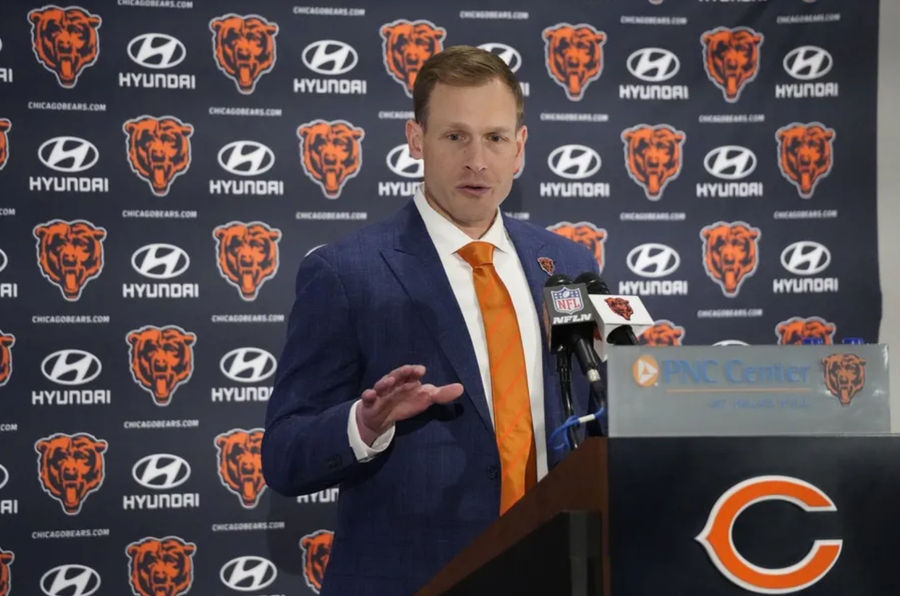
<point x="447" y="238"/>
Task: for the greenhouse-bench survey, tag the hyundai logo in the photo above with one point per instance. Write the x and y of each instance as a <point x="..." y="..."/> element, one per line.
<point x="403" y="164"/>
<point x="329" y="57"/>
<point x="248" y="365"/>
<point x="156" y="50"/>
<point x="70" y="580"/>
<point x="731" y="342"/>
<point x="653" y="260"/>
<point x="805" y="258"/>
<point x="653" y="65"/>
<point x="506" y="53"/>
<point x="3" y="260"/>
<point x="4" y="477"/>
<point x="730" y="162"/>
<point x="574" y="161"/>
<point x="68" y="154"/>
<point x="161" y="471"/>
<point x="246" y="158"/>
<point x="71" y="367"/>
<point x="248" y="574"/>
<point x="808" y="62"/>
<point x="160" y="261"/>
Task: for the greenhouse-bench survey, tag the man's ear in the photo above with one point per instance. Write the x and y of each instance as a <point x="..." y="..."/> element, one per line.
<point x="521" y="137"/>
<point x="415" y="134"/>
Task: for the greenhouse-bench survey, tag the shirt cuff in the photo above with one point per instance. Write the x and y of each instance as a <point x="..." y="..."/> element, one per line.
<point x="362" y="451"/>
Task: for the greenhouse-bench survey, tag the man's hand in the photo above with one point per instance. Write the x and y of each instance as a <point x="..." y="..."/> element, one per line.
<point x="399" y="395"/>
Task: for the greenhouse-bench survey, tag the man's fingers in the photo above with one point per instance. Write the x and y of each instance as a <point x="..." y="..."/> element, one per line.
<point x="445" y="393"/>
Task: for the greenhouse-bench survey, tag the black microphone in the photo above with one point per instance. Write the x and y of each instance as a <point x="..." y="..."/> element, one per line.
<point x="570" y="320"/>
<point x="623" y="335"/>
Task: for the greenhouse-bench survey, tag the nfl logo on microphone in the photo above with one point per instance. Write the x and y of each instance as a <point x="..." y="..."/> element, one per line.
<point x="567" y="300"/>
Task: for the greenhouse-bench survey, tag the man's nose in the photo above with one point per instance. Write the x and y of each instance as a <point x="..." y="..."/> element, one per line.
<point x="475" y="157"/>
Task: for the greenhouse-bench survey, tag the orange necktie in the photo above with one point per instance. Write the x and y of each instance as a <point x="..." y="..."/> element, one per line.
<point x="509" y="383"/>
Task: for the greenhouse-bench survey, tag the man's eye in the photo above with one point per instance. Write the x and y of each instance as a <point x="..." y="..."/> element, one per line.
<point x="496" y="138"/>
<point x="453" y="136"/>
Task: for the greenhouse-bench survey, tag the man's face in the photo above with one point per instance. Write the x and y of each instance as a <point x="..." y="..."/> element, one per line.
<point x="471" y="150"/>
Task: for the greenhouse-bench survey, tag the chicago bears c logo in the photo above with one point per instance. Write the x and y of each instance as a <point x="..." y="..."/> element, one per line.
<point x="407" y="45"/>
<point x="845" y="375"/>
<point x="794" y="330"/>
<point x="70" y="467"/>
<point x="573" y="56"/>
<point x="5" y="125"/>
<point x="662" y="333"/>
<point x="621" y="307"/>
<point x="653" y="156"/>
<point x="805" y="154"/>
<point x="70" y="253"/>
<point x="731" y="58"/>
<point x="584" y="233"/>
<point x="159" y="149"/>
<point x="6" y="559"/>
<point x="240" y="464"/>
<point x="65" y="40"/>
<point x="247" y="255"/>
<point x="162" y="359"/>
<point x="331" y="153"/>
<point x="6" y="342"/>
<point x="730" y="253"/>
<point x="161" y="566"/>
<point x="244" y="48"/>
<point x="316" y="549"/>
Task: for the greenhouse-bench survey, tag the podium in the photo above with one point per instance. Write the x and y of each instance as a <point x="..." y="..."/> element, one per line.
<point x="704" y="513"/>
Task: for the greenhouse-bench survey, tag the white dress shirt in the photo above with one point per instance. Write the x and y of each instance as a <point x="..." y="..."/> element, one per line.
<point x="448" y="239"/>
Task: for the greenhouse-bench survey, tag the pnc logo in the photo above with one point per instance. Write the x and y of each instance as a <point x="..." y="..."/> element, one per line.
<point x="244" y="48"/>
<point x="574" y="162"/>
<point x="246" y="158"/>
<point x="508" y="54"/>
<point x="65" y="41"/>
<point x="160" y="261"/>
<point x="653" y="65"/>
<point x="403" y="164"/>
<point x="156" y="50"/>
<point x="68" y="154"/>
<point x="730" y="162"/>
<point x="407" y="45"/>
<point x="573" y="56"/>
<point x="248" y="573"/>
<point x="805" y="258"/>
<point x="718" y="540"/>
<point x="808" y="62"/>
<point x="248" y="365"/>
<point x="161" y="471"/>
<point x="71" y="367"/>
<point x="645" y="371"/>
<point x="70" y="580"/>
<point x="653" y="260"/>
<point x="329" y="57"/>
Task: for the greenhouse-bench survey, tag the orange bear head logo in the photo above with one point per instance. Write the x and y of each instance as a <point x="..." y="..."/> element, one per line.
<point x="70" y="253"/>
<point x="731" y="58"/>
<point x="240" y="464"/>
<point x="621" y="307"/>
<point x="244" y="48"/>
<point x="70" y="467"/>
<point x="161" y="566"/>
<point x="331" y="153"/>
<point x="162" y="359"/>
<point x="662" y="333"/>
<point x="247" y="255"/>
<point x="316" y="548"/>
<point x="6" y="559"/>
<point x="805" y="154"/>
<point x="5" y="125"/>
<point x="730" y="253"/>
<point x="159" y="149"/>
<point x="653" y="156"/>
<point x="845" y="376"/>
<point x="573" y="56"/>
<point x="584" y="233"/>
<point x="407" y="45"/>
<point x="6" y="342"/>
<point x="794" y="330"/>
<point x="65" y="40"/>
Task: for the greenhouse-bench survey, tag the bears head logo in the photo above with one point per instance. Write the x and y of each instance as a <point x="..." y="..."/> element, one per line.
<point x="845" y="375"/>
<point x="161" y="566"/>
<point x="244" y="48"/>
<point x="584" y="233"/>
<point x="621" y="307"/>
<point x="65" y="40"/>
<point x="6" y="559"/>
<point x="316" y="549"/>
<point x="573" y="56"/>
<point x="5" y="125"/>
<point x="162" y="358"/>
<point x="730" y="253"/>
<point x="240" y="464"/>
<point x="794" y="330"/>
<point x="70" y="467"/>
<point x="805" y="154"/>
<point x="6" y="342"/>
<point x="331" y="153"/>
<point x="247" y="255"/>
<point x="731" y="58"/>
<point x="662" y="333"/>
<point x="407" y="45"/>
<point x="653" y="156"/>
<point x="159" y="149"/>
<point x="70" y="253"/>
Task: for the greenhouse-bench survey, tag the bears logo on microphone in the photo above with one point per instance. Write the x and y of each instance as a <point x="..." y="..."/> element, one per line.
<point x="162" y="359"/>
<point x="70" y="467"/>
<point x="5" y="125"/>
<point x="70" y="254"/>
<point x="331" y="153"/>
<point x="316" y="548"/>
<point x="731" y="58"/>
<point x="730" y="254"/>
<point x="573" y="56"/>
<point x="65" y="41"/>
<point x="586" y="234"/>
<point x="805" y="154"/>
<point x="240" y="464"/>
<point x="244" y="48"/>
<point x="6" y="343"/>
<point x="794" y="330"/>
<point x="161" y="566"/>
<point x="159" y="149"/>
<point x="247" y="255"/>
<point x="621" y="307"/>
<point x="407" y="45"/>
<point x="653" y="156"/>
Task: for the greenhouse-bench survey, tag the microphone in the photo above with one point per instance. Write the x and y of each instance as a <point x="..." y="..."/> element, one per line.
<point x="620" y="317"/>
<point x="570" y="321"/>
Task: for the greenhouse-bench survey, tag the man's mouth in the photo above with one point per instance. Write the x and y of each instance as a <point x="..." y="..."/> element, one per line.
<point x="474" y="188"/>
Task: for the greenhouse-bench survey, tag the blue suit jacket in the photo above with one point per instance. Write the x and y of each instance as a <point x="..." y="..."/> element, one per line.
<point x="365" y="305"/>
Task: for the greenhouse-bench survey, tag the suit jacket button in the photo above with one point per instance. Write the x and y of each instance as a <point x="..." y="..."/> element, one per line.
<point x="493" y="472"/>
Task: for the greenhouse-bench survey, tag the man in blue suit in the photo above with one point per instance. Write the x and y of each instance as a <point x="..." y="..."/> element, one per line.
<point x="384" y="385"/>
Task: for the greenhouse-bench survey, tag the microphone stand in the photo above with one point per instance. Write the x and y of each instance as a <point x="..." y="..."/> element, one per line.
<point x="564" y="368"/>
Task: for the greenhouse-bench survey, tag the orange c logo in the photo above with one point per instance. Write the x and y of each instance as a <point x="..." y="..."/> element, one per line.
<point x="716" y="537"/>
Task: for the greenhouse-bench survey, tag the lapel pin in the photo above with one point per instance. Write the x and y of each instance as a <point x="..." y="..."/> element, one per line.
<point x="547" y="265"/>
